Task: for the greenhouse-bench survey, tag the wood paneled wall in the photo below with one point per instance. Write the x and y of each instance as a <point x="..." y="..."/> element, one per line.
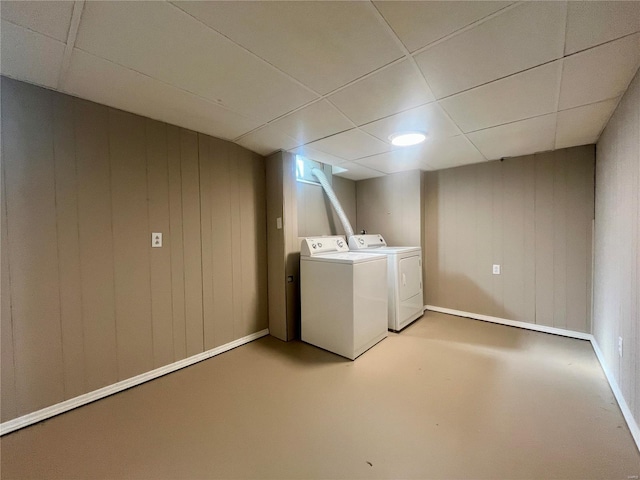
<point x="86" y="301"/>
<point x="283" y="246"/>
<point x="533" y="216"/>
<point x="616" y="306"/>
<point x="392" y="207"/>
<point x="316" y="215"/>
<point x="304" y="211"/>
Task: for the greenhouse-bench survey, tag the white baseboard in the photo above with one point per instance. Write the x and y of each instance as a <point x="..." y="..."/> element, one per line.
<point x="617" y="393"/>
<point x="512" y="323"/>
<point x="626" y="411"/>
<point x="58" y="408"/>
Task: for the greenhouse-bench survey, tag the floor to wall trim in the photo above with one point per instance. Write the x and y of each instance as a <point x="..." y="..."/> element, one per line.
<point x="617" y="393"/>
<point x="512" y="323"/>
<point x="626" y="411"/>
<point x="58" y="408"/>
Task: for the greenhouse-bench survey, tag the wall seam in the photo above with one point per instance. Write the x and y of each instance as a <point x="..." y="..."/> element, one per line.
<point x="57" y="239"/>
<point x="535" y="243"/>
<point x="146" y="172"/>
<point x="213" y="247"/>
<point x="202" y="282"/>
<point x="184" y="275"/>
<point x="113" y="253"/>
<point x="173" y="333"/>
<point x="75" y="170"/>
<point x="6" y="216"/>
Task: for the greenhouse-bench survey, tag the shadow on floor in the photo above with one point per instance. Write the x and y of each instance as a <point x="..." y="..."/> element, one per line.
<point x="299" y="352"/>
<point x="466" y="330"/>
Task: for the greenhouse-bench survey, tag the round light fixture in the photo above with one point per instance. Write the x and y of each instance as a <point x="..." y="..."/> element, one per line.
<point x="405" y="139"/>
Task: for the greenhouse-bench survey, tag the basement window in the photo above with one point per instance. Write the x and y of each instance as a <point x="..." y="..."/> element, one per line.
<point x="304" y="166"/>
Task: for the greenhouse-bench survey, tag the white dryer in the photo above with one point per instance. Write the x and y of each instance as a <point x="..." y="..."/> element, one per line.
<point x="404" y="269"/>
<point x="343" y="296"/>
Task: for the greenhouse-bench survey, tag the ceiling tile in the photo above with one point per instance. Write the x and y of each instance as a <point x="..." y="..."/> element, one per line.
<point x="267" y="140"/>
<point x="594" y="23"/>
<point x="357" y="172"/>
<point x="314" y="42"/>
<point x="433" y="154"/>
<point x="30" y="56"/>
<point x="518" y="138"/>
<point x="312" y="122"/>
<point x="384" y="93"/>
<point x="420" y="23"/>
<point x="452" y="152"/>
<point x="105" y="82"/>
<point x="403" y="159"/>
<point x="524" y="95"/>
<point x="521" y="38"/>
<point x="317" y="155"/>
<point x="48" y="18"/>
<point x="173" y="47"/>
<point x="583" y="125"/>
<point x="599" y="73"/>
<point x="351" y="145"/>
<point x="427" y="118"/>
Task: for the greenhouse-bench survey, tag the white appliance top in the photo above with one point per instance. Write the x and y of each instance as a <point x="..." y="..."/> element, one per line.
<point x="393" y="250"/>
<point x="345" y="257"/>
<point x="333" y="249"/>
<point x="376" y="243"/>
<point x="313" y="246"/>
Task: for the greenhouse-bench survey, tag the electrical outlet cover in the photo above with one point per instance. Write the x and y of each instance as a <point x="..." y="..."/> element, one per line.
<point x="156" y="240"/>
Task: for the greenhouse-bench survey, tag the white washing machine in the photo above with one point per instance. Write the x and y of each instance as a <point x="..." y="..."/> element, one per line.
<point x="404" y="269"/>
<point x="343" y="296"/>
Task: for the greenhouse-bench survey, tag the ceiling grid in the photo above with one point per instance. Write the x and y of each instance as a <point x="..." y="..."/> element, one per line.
<point x="333" y="80"/>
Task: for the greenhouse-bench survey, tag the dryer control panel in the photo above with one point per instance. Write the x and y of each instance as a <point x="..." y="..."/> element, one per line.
<point x="357" y="242"/>
<point x="318" y="245"/>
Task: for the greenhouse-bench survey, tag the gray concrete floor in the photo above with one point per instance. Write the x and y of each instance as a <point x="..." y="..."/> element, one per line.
<point x="446" y="398"/>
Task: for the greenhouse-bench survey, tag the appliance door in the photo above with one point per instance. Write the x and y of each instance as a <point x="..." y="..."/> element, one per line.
<point x="410" y="277"/>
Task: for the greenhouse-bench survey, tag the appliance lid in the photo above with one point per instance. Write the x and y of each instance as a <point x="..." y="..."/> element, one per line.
<point x="394" y="250"/>
<point x="345" y="257"/>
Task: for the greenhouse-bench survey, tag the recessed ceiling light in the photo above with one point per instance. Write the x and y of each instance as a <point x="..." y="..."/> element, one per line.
<point x="405" y="139"/>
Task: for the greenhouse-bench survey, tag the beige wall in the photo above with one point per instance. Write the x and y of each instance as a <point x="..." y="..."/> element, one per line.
<point x="304" y="211"/>
<point x="391" y="206"/>
<point x="316" y="215"/>
<point x="283" y="246"/>
<point x="85" y="301"/>
<point x="616" y="311"/>
<point x="533" y="216"/>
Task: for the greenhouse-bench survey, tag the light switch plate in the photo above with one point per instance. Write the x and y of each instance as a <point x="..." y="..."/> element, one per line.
<point x="279" y="223"/>
<point x="496" y="269"/>
<point x="156" y="240"/>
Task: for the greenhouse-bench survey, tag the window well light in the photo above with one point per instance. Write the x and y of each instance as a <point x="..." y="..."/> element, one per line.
<point x="405" y="139"/>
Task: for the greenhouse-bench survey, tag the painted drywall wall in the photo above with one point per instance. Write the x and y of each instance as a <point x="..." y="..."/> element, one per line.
<point x="392" y="207"/>
<point x="86" y="301"/>
<point x="616" y="306"/>
<point x="531" y="215"/>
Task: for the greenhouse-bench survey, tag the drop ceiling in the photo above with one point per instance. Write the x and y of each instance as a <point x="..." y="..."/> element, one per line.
<point x="332" y="80"/>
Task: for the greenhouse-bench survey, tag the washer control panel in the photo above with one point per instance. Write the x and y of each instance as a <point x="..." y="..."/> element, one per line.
<point x="317" y="245"/>
<point x="357" y="242"/>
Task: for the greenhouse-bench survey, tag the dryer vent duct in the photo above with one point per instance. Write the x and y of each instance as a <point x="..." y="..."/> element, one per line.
<point x="319" y="174"/>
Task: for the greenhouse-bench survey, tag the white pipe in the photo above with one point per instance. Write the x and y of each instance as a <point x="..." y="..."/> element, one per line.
<point x="319" y="174"/>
